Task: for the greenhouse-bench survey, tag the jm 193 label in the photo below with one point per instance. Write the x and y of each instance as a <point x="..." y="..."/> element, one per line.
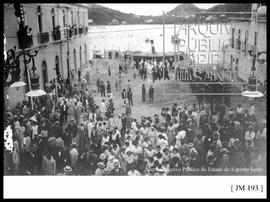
<point x="243" y="188"/>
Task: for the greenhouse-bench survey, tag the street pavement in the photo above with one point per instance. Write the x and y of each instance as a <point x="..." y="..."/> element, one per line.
<point x="167" y="92"/>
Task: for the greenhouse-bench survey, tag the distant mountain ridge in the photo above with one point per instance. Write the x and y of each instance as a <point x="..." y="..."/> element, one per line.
<point x="104" y="16"/>
<point x="184" y="9"/>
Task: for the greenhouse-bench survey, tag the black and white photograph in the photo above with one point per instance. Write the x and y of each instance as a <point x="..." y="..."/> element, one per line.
<point x="162" y="91"/>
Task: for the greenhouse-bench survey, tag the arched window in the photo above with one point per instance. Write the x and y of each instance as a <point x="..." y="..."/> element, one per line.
<point x="75" y="65"/>
<point x="53" y="18"/>
<point x="83" y="20"/>
<point x="44" y="73"/>
<point x="78" y="14"/>
<point x="57" y="70"/>
<point x="85" y="53"/>
<point x="80" y="57"/>
<point x="39" y="13"/>
<point x="64" y="18"/>
<point x="72" y="18"/>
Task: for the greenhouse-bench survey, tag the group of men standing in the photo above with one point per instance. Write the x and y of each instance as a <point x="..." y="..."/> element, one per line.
<point x="151" y="93"/>
<point x="101" y="87"/>
<point x="157" y="69"/>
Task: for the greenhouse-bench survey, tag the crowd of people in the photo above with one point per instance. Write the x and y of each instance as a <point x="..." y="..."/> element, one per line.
<point x="96" y="141"/>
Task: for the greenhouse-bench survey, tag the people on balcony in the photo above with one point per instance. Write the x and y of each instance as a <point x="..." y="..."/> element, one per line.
<point x="25" y="37"/>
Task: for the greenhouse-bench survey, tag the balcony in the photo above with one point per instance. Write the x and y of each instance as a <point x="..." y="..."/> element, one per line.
<point x="56" y="34"/>
<point x="24" y="41"/>
<point x="81" y="30"/>
<point x="75" y="31"/>
<point x="70" y="32"/>
<point x="238" y="44"/>
<point x="43" y="37"/>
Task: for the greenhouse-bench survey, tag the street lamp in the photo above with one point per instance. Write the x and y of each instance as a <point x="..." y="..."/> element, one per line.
<point x="12" y="70"/>
<point x="252" y="91"/>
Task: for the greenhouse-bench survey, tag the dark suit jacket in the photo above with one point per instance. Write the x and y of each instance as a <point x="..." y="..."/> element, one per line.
<point x="124" y="95"/>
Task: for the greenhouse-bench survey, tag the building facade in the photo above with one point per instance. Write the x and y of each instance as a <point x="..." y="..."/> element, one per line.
<point x="247" y="35"/>
<point x="58" y="32"/>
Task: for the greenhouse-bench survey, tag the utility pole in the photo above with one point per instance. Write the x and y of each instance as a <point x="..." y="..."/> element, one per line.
<point x="174" y="45"/>
<point x="163" y="61"/>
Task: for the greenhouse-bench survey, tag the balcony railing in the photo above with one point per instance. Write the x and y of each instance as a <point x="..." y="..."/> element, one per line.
<point x="68" y="32"/>
<point x="24" y="41"/>
<point x="75" y="30"/>
<point x="56" y="34"/>
<point x="238" y="44"/>
<point x="81" y="30"/>
<point x="43" y="37"/>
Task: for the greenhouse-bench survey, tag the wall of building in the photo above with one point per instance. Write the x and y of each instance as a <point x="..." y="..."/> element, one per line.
<point x="245" y="61"/>
<point x="49" y="51"/>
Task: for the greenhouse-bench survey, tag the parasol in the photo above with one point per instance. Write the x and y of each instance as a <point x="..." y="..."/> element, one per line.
<point x="35" y="93"/>
<point x="252" y="94"/>
<point x="17" y="84"/>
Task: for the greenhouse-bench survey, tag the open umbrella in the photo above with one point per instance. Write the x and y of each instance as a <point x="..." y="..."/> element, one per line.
<point x="252" y="94"/>
<point x="17" y="84"/>
<point x="35" y="93"/>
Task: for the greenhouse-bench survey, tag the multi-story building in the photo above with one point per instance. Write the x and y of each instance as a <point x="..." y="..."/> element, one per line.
<point x="247" y="35"/>
<point x="58" y="31"/>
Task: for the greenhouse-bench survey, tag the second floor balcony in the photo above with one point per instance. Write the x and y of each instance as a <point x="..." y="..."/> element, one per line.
<point x="81" y="28"/>
<point x="68" y="32"/>
<point x="43" y="37"/>
<point x="75" y="31"/>
<point x="56" y="34"/>
<point x="24" y="41"/>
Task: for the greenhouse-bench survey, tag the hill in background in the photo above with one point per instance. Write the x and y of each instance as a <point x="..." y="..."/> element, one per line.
<point x="181" y="13"/>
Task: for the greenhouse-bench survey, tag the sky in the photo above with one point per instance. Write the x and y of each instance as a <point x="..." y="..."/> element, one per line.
<point x="149" y="9"/>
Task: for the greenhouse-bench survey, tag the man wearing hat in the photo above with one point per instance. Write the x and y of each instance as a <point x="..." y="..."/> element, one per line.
<point x="106" y="171"/>
<point x="133" y="171"/>
<point x="249" y="137"/>
<point x="225" y="159"/>
<point x="73" y="156"/>
<point x="67" y="170"/>
<point x="117" y="170"/>
<point x="129" y="160"/>
<point x="64" y="111"/>
<point x="110" y="164"/>
<point x="103" y="157"/>
<point x="100" y="170"/>
<point x="71" y="132"/>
